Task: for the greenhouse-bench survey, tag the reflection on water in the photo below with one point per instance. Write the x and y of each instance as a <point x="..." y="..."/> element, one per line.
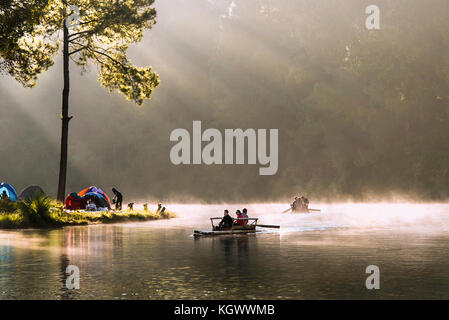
<point x="318" y="256"/>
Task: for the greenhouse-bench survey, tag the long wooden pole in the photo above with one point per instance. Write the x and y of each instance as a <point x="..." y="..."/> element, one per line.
<point x="268" y="226"/>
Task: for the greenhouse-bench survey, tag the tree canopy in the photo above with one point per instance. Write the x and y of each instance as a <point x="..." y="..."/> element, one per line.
<point x="31" y="37"/>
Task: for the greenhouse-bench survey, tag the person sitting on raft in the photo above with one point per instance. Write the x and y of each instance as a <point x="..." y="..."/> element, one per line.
<point x="226" y="222"/>
<point x="245" y="215"/>
<point x="305" y="203"/>
<point x="295" y="203"/>
<point x="239" y="216"/>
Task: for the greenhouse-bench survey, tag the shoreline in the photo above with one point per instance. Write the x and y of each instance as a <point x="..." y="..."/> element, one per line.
<point x="58" y="218"/>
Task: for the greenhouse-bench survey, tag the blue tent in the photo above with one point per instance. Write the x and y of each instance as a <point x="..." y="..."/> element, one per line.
<point x="10" y="191"/>
<point x="98" y="199"/>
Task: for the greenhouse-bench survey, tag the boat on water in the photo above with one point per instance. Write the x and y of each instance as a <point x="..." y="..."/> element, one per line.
<point x="249" y="227"/>
<point x="300" y="205"/>
<point x="304" y="210"/>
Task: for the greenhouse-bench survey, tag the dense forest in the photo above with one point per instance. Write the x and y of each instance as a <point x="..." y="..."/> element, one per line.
<point x="362" y="114"/>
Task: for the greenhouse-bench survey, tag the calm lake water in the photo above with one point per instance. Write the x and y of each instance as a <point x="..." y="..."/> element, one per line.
<point x="314" y="256"/>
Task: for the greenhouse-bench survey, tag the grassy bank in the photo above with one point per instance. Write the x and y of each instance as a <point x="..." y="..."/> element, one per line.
<point x="43" y="212"/>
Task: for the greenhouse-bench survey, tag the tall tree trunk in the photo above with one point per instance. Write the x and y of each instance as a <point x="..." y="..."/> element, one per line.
<point x="65" y="117"/>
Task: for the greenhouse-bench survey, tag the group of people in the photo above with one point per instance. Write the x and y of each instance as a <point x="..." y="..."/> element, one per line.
<point x="227" y="221"/>
<point x="91" y="206"/>
<point x="300" y="203"/>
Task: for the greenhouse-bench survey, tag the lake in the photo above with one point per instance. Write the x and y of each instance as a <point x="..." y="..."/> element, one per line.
<point x="313" y="256"/>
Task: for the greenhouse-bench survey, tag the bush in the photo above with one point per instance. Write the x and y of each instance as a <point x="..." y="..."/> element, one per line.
<point x="37" y="210"/>
<point x="12" y="221"/>
<point x="7" y="206"/>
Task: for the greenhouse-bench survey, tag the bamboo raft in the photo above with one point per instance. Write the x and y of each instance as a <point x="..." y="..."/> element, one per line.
<point x="250" y="227"/>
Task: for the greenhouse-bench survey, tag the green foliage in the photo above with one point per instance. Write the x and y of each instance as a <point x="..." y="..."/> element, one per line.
<point x="12" y="221"/>
<point x="36" y="211"/>
<point x="30" y="39"/>
<point x="24" y="56"/>
<point x="128" y="80"/>
<point x="7" y="206"/>
<point x="89" y="217"/>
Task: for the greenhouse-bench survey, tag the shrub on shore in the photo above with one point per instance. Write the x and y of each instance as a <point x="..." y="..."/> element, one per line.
<point x="36" y="211"/>
<point x="7" y="207"/>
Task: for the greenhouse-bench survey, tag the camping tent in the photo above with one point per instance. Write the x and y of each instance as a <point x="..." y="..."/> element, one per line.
<point x="99" y="200"/>
<point x="77" y="201"/>
<point x="10" y="191"/>
<point x="31" y="192"/>
<point x="95" y="190"/>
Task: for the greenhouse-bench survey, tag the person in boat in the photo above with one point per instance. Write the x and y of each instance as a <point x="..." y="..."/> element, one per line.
<point x="118" y="199"/>
<point x="226" y="222"/>
<point x="239" y="216"/>
<point x="245" y="215"/>
<point x="295" y="203"/>
<point x="299" y="204"/>
<point x="305" y="203"/>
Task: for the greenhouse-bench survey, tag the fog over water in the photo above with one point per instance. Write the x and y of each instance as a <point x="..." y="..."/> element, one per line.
<point x="361" y="115"/>
<point x="353" y="216"/>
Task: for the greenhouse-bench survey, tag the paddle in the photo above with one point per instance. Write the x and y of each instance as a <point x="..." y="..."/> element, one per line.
<point x="285" y="211"/>
<point x="268" y="226"/>
<point x="317" y="210"/>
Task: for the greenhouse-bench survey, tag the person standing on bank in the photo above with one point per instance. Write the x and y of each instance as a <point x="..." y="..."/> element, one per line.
<point x="118" y="199"/>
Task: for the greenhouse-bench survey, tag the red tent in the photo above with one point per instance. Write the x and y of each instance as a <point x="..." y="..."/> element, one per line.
<point x="74" y="202"/>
